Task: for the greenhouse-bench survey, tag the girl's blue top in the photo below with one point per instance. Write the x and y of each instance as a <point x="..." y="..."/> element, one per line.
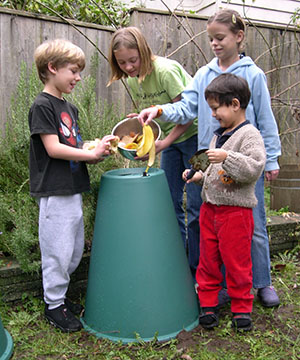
<point x="258" y="112"/>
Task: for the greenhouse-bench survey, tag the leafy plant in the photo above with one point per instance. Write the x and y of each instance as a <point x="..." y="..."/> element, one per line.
<point x="19" y="226"/>
<point x="15" y="140"/>
<point x="103" y="12"/>
<point x="295" y="17"/>
<point x="270" y="212"/>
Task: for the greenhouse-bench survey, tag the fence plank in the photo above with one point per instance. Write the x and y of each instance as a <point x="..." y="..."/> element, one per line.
<point x="19" y="37"/>
<point x="168" y="35"/>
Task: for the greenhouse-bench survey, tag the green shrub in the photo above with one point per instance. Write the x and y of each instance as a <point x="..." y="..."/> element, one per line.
<point x="14" y="143"/>
<point x="103" y="12"/>
<point x="19" y="227"/>
<point x="18" y="211"/>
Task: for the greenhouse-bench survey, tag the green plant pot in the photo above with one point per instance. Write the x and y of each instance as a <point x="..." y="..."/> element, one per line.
<point x="6" y="343"/>
<point x="139" y="282"/>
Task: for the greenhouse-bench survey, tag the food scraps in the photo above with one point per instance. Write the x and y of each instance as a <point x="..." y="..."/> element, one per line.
<point x="91" y="144"/>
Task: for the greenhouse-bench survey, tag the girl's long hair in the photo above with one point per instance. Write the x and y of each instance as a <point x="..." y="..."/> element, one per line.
<point x="130" y="38"/>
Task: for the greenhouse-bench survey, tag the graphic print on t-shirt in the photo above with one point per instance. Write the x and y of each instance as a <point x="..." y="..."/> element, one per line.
<point x="68" y="128"/>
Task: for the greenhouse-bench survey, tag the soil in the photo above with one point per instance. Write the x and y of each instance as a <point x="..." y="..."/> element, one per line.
<point x="261" y="321"/>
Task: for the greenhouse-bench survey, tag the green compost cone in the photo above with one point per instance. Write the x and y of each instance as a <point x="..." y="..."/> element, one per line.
<point x="6" y="343"/>
<point x="139" y="284"/>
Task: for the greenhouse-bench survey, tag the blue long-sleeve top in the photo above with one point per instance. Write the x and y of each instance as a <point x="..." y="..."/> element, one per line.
<point x="258" y="112"/>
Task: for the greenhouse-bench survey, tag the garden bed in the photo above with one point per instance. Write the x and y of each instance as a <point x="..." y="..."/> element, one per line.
<point x="284" y="234"/>
<point x="14" y="283"/>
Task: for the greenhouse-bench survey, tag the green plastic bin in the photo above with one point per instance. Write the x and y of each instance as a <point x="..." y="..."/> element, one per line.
<point x="139" y="283"/>
<point x="6" y="343"/>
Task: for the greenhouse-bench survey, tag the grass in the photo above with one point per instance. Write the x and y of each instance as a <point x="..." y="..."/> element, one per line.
<point x="275" y="335"/>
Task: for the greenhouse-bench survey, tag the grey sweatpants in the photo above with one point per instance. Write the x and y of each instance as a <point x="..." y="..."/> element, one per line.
<point x="61" y="238"/>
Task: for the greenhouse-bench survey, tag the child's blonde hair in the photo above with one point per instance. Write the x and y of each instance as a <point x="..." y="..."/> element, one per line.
<point x="230" y="18"/>
<point x="130" y="38"/>
<point x="58" y="52"/>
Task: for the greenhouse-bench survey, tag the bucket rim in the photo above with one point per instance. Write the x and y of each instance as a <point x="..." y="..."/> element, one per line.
<point x="131" y="173"/>
<point x="9" y="348"/>
<point x="126" y="340"/>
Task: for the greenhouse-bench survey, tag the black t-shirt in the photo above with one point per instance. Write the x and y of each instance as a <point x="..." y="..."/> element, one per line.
<point x="48" y="176"/>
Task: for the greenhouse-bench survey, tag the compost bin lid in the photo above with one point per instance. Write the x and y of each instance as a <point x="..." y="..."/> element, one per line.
<point x="132" y="173"/>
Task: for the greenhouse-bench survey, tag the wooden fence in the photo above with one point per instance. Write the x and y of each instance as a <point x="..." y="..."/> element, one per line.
<point x="275" y="49"/>
<point x="21" y="33"/>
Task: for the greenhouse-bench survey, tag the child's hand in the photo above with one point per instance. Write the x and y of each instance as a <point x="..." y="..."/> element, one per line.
<point x="159" y="146"/>
<point x="132" y="115"/>
<point x="216" y="155"/>
<point x="271" y="175"/>
<point x="103" y="148"/>
<point x="147" y="115"/>
<point x="142" y="158"/>
<point x="197" y="176"/>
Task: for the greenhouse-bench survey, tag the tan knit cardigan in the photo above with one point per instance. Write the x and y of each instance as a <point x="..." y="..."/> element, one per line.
<point x="233" y="181"/>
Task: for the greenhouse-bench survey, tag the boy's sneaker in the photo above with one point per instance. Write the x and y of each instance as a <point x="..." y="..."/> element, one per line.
<point x="62" y="318"/>
<point x="77" y="309"/>
<point x="242" y="321"/>
<point x="209" y="317"/>
<point x="268" y="296"/>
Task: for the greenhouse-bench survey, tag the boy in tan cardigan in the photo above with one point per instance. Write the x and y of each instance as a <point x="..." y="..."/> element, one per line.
<point x="237" y="159"/>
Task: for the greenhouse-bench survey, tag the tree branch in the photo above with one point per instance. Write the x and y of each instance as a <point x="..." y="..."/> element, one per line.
<point x="285" y="90"/>
<point x="184" y="28"/>
<point x="89" y="40"/>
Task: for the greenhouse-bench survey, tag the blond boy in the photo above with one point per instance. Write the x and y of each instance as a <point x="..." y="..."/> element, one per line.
<point x="58" y="176"/>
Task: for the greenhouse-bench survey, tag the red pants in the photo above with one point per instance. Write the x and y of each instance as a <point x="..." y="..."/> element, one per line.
<point x="225" y="238"/>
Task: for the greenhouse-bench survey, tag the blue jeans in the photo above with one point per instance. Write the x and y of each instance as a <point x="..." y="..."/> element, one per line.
<point x="174" y="161"/>
<point x="260" y="251"/>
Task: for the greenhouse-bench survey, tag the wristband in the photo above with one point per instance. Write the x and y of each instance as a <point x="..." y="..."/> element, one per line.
<point x="159" y="110"/>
